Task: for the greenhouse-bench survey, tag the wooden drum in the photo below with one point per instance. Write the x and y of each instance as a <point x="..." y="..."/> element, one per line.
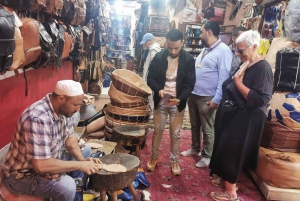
<point x="129" y="135"/>
<point x="110" y="181"/>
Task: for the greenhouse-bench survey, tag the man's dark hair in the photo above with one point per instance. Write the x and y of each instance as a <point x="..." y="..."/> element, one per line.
<point x="235" y="31"/>
<point x="174" y="35"/>
<point x="213" y="26"/>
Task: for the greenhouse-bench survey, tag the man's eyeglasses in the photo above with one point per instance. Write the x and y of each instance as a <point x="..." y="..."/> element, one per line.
<point x="240" y="51"/>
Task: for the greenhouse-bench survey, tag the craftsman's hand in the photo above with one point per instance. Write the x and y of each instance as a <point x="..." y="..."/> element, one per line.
<point x="173" y="101"/>
<point x="161" y="93"/>
<point x="96" y="160"/>
<point x="212" y="105"/>
<point x="89" y="166"/>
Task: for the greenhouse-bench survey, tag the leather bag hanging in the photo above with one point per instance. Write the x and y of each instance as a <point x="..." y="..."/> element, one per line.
<point x="18" y="56"/>
<point x="67" y="44"/>
<point x="287" y="70"/>
<point x="39" y="5"/>
<point x="30" y="34"/>
<point x="80" y="13"/>
<point x="48" y="52"/>
<point x="7" y="29"/>
<point x="68" y="11"/>
<point x="279" y="169"/>
<point x="54" y="7"/>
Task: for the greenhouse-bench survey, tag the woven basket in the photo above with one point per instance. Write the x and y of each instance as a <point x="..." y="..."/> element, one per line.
<point x="132" y="79"/>
<point x="128" y="105"/>
<point x="122" y="97"/>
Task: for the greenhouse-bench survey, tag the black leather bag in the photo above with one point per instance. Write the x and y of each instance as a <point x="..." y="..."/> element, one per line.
<point x="68" y="11"/>
<point x="287" y="70"/>
<point x="17" y="4"/>
<point x="48" y="51"/>
<point x="7" y="41"/>
<point x="58" y="39"/>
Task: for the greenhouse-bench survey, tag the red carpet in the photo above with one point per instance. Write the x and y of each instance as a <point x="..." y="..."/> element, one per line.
<point x="193" y="183"/>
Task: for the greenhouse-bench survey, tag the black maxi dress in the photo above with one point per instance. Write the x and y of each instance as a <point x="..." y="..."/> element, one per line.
<point x="238" y="135"/>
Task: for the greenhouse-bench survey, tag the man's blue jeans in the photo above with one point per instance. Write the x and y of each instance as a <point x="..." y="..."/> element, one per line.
<point x="62" y="190"/>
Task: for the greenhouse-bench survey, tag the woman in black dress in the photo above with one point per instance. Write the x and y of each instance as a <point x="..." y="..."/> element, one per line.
<point x="240" y="121"/>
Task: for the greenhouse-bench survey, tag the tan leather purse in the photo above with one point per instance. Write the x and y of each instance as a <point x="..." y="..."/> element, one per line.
<point x="83" y="61"/>
<point x="67" y="46"/>
<point x="54" y="7"/>
<point x="19" y="57"/>
<point x="80" y="12"/>
<point x="39" y="4"/>
<point x="31" y="39"/>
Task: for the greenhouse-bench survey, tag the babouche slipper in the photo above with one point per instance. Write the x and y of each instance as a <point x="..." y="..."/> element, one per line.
<point x="222" y="196"/>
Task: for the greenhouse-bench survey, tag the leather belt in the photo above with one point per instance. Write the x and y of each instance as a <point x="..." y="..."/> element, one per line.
<point x="171" y="80"/>
<point x="128" y="105"/>
<point x="128" y="89"/>
<point x="129" y="118"/>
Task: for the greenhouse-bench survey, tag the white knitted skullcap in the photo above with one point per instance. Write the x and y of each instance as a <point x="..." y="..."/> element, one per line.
<point x="68" y="88"/>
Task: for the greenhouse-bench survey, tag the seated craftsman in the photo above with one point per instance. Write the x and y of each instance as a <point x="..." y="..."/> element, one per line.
<point x="33" y="163"/>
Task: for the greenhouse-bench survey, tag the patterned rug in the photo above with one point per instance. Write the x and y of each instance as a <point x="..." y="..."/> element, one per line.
<point x="193" y="183"/>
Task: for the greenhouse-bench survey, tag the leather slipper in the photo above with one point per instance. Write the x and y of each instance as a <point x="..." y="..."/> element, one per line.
<point x="222" y="196"/>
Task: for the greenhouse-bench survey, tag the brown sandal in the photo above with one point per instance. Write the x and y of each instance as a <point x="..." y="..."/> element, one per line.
<point x="222" y="196"/>
<point x="219" y="182"/>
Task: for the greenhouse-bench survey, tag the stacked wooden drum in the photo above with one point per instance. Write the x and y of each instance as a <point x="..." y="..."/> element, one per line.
<point x="129" y="101"/>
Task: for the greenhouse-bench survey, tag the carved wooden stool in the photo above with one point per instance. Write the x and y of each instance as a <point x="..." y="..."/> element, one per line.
<point x="108" y="181"/>
<point x="129" y="135"/>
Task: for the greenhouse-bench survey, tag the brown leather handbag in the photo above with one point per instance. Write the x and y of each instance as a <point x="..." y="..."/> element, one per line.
<point x="19" y="57"/>
<point x="54" y="7"/>
<point x="279" y="169"/>
<point x="67" y="45"/>
<point x="39" y="4"/>
<point x="80" y="12"/>
<point x="31" y="39"/>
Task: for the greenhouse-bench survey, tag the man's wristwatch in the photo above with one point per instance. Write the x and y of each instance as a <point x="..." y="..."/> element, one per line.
<point x="178" y="102"/>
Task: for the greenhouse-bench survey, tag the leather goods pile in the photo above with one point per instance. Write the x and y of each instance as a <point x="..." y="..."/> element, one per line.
<point x="129" y="101"/>
<point x="40" y="33"/>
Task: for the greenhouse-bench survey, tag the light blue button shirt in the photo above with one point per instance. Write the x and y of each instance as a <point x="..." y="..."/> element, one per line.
<point x="212" y="71"/>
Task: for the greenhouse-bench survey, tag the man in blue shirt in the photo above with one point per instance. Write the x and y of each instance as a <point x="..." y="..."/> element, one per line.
<point x="212" y="69"/>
